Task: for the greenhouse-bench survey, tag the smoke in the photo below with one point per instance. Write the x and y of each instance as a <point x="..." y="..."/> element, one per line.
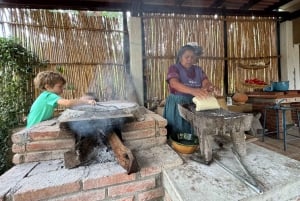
<point x="96" y="127"/>
<point x="112" y="82"/>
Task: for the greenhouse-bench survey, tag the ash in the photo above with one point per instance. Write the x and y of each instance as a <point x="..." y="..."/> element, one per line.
<point x="101" y="155"/>
<point x="105" y="155"/>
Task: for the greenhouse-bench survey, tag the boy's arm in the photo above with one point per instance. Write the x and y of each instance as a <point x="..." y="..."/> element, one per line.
<point x="74" y="102"/>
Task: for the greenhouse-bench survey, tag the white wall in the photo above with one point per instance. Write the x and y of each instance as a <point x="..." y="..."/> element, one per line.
<point x="136" y="56"/>
<point x="290" y="62"/>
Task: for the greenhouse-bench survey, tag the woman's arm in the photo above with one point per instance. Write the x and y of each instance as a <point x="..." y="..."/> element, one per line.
<point x="178" y="86"/>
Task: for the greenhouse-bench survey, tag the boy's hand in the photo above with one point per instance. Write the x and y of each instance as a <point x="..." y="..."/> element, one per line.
<point x="92" y="102"/>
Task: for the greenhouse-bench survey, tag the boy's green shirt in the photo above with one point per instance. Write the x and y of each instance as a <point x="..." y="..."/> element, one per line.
<point x="43" y="108"/>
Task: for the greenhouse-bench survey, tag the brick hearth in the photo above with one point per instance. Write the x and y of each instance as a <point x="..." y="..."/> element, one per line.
<point x="39" y="173"/>
<point x="47" y="141"/>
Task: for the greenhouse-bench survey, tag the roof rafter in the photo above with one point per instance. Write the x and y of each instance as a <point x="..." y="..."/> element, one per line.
<point x="139" y="6"/>
<point x="216" y="4"/>
<point x="66" y="4"/>
<point x="136" y="7"/>
<point x="179" y="2"/>
<point x="211" y="11"/>
<point x="294" y="15"/>
<point x="275" y="6"/>
<point x="249" y="4"/>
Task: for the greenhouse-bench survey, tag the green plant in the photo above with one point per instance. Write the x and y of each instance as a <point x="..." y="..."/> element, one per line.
<point x="17" y="66"/>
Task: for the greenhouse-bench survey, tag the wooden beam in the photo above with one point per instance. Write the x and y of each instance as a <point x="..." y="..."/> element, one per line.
<point x="179" y="2"/>
<point x="249" y="4"/>
<point x="124" y="7"/>
<point x="66" y="5"/>
<point x="217" y="4"/>
<point x="276" y="6"/>
<point x="208" y="11"/>
<point x="136" y="6"/>
<point x="295" y="15"/>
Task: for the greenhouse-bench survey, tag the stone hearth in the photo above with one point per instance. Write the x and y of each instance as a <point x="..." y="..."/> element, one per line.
<point x="40" y="174"/>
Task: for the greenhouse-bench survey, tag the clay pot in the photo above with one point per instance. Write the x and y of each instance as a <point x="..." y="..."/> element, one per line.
<point x="240" y="98"/>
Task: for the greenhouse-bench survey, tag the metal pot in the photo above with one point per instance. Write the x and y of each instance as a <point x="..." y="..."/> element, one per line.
<point x="280" y="86"/>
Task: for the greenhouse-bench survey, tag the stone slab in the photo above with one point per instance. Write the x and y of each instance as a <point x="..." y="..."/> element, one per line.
<point x="146" y="143"/>
<point x="13" y="176"/>
<point x="278" y="176"/>
<point x="159" y="156"/>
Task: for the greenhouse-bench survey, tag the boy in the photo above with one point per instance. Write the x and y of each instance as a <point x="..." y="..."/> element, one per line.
<point x="52" y="85"/>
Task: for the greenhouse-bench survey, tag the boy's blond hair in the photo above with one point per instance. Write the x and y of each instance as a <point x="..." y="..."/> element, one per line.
<point x="48" y="77"/>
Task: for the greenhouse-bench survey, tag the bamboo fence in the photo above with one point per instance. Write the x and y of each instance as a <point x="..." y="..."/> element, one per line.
<point x="87" y="48"/>
<point x="84" y="46"/>
<point x="249" y="40"/>
<point x="166" y="33"/>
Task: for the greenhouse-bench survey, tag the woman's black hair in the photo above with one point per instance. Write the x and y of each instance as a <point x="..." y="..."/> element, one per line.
<point x="196" y="49"/>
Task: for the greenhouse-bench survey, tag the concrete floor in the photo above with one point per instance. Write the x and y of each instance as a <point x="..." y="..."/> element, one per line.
<point x="277" y="175"/>
<point x="276" y="145"/>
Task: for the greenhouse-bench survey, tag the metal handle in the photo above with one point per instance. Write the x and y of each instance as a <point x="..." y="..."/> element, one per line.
<point x="238" y="158"/>
<point x="253" y="187"/>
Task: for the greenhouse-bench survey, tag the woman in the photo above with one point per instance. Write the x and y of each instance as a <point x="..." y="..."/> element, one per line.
<point x="185" y="80"/>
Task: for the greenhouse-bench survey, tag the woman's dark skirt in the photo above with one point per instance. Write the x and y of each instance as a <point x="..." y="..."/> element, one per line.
<point x="176" y="124"/>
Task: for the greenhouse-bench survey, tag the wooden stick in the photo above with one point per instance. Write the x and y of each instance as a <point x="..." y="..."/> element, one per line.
<point x="124" y="155"/>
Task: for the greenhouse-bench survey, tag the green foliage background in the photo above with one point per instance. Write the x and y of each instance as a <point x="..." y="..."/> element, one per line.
<point x="17" y="67"/>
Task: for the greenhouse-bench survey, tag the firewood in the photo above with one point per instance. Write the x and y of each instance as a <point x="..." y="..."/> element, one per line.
<point x="71" y="159"/>
<point x="124" y="155"/>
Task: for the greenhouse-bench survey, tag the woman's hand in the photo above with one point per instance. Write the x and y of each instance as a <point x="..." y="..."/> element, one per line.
<point x="217" y="91"/>
<point x="214" y="90"/>
<point x="200" y="92"/>
<point x="211" y="88"/>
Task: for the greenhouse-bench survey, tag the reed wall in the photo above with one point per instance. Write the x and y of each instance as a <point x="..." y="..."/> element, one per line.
<point x="87" y="47"/>
<point x="231" y="45"/>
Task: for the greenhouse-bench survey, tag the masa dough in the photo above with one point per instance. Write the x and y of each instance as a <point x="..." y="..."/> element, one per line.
<point x="208" y="103"/>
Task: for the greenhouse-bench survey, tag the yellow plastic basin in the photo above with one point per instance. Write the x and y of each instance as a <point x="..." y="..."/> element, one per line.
<point x="185" y="143"/>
